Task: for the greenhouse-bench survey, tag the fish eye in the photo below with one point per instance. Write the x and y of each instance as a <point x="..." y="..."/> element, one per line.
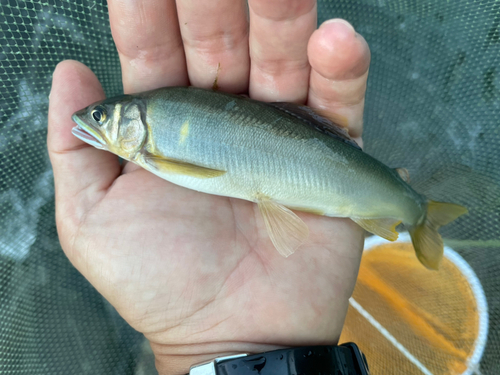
<point x="99" y="114"/>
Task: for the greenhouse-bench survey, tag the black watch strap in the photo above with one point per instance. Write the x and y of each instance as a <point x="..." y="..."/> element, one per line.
<point x="345" y="359"/>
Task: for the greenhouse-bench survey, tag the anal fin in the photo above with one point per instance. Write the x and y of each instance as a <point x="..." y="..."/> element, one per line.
<point x="286" y="230"/>
<point x="385" y="228"/>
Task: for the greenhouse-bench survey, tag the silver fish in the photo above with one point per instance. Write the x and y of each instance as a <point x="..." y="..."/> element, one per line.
<point x="280" y="155"/>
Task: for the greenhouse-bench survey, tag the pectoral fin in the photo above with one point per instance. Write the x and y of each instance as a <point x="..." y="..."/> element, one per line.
<point x="174" y="166"/>
<point x="385" y="228"/>
<point x="286" y="230"/>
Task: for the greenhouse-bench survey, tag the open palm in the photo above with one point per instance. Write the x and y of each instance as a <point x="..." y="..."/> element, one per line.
<point x="196" y="273"/>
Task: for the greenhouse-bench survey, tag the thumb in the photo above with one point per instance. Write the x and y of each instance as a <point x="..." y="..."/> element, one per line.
<point x="82" y="173"/>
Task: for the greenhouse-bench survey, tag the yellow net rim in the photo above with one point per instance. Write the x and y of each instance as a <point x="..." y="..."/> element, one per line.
<point x="478" y="293"/>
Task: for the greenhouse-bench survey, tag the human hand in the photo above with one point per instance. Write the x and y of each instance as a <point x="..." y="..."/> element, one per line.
<point x="196" y="273"/>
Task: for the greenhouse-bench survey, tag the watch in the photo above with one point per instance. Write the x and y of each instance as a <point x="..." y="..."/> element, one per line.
<point x="345" y="359"/>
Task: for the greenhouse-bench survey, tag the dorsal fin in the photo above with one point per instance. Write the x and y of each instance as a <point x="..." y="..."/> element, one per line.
<point x="404" y="174"/>
<point x="312" y="118"/>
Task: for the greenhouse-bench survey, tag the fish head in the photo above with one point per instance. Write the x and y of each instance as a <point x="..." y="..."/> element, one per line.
<point x="116" y="125"/>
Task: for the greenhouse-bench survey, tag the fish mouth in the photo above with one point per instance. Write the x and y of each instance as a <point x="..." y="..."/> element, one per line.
<point x="87" y="134"/>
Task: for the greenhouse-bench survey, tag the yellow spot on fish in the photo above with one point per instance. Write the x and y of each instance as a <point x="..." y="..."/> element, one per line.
<point x="184" y="132"/>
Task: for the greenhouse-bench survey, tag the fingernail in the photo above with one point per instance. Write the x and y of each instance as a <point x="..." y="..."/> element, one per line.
<point x="339" y="21"/>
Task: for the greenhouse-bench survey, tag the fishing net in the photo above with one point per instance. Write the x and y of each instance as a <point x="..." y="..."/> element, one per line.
<point x="433" y="105"/>
<point x="420" y="322"/>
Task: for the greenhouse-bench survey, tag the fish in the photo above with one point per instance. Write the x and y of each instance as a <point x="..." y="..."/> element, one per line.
<point x="283" y="156"/>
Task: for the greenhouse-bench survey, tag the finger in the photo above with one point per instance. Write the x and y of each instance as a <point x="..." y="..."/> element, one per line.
<point x="339" y="59"/>
<point x="279" y="32"/>
<point x="147" y="37"/>
<point x="215" y="35"/>
<point x="82" y="173"/>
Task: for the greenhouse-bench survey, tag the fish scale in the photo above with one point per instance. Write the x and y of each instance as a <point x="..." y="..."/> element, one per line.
<point x="279" y="155"/>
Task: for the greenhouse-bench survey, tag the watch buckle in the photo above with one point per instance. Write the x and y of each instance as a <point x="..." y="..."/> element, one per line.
<point x="208" y="368"/>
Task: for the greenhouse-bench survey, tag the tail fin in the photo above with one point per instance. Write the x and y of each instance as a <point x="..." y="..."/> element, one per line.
<point x="426" y="240"/>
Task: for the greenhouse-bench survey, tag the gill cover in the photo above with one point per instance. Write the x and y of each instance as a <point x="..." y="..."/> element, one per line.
<point x="131" y="130"/>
